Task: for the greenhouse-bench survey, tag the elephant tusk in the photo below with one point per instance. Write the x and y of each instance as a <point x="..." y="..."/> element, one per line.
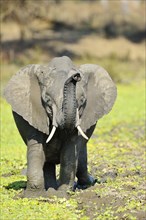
<point x="51" y="134"/>
<point x="82" y="133"/>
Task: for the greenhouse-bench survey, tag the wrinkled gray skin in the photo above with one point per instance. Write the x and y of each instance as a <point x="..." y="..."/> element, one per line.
<point x="43" y="96"/>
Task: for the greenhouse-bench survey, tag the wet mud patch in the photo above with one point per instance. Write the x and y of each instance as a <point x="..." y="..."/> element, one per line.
<point x="120" y="169"/>
<point x="104" y="201"/>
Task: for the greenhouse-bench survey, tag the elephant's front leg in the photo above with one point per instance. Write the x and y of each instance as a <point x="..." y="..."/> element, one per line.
<point x="50" y="175"/>
<point x="84" y="179"/>
<point x="35" y="163"/>
<point x="68" y="166"/>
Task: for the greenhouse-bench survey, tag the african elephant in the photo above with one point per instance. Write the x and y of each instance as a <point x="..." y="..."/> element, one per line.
<point x="56" y="108"/>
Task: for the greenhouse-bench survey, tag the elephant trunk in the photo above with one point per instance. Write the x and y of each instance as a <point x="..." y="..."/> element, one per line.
<point x="69" y="108"/>
<point x="69" y="102"/>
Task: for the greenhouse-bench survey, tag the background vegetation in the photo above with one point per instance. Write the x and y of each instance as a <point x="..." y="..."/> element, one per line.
<point x="111" y="34"/>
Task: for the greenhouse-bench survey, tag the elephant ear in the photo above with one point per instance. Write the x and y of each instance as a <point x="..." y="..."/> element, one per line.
<point x="101" y="94"/>
<point x="24" y="94"/>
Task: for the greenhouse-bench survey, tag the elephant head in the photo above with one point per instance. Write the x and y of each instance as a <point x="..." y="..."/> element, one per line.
<point x="61" y="96"/>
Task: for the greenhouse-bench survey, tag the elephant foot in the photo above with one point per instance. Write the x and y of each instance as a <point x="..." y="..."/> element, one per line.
<point x="86" y="183"/>
<point x="34" y="193"/>
<point x="51" y="192"/>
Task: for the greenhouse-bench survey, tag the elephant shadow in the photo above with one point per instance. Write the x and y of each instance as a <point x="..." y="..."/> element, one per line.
<point x="17" y="185"/>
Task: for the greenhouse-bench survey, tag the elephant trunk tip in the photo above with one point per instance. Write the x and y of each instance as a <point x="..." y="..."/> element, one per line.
<point x="74" y="79"/>
<point x="77" y="77"/>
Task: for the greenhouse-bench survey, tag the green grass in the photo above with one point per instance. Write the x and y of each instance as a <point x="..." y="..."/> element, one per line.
<point x="116" y="158"/>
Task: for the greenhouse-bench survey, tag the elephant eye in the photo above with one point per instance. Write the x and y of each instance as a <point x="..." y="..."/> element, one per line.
<point x="82" y="100"/>
<point x="49" y="101"/>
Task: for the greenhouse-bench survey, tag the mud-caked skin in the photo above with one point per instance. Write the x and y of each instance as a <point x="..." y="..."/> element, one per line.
<point x="56" y="107"/>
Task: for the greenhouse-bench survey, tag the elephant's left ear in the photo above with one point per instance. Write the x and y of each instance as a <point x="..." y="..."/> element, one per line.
<point x="23" y="93"/>
<point x="101" y="94"/>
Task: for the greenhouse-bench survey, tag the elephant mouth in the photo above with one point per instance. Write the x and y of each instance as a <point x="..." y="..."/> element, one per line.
<point x="69" y="109"/>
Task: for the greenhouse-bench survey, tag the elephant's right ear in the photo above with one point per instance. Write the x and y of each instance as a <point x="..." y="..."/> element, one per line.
<point x="24" y="94"/>
<point x="101" y="94"/>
